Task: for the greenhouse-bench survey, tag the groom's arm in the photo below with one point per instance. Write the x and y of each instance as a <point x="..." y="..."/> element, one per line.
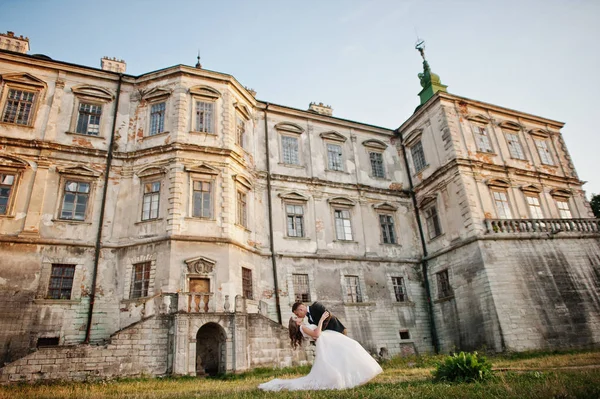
<point x="316" y="311"/>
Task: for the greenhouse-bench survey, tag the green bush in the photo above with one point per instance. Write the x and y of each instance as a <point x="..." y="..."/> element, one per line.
<point x="463" y="367"/>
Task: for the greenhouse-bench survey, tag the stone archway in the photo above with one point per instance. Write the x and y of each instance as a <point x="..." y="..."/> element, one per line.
<point x="210" y="350"/>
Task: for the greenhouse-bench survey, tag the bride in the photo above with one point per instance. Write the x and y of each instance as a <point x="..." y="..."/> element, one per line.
<point x="340" y="362"/>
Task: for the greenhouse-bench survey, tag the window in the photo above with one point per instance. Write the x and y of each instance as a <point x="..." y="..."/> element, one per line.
<point x="301" y="288"/>
<point x="47" y="341"/>
<point x="388" y="234"/>
<point x="501" y="203"/>
<point x="242" y="216"/>
<point x="376" y="164"/>
<point x="204" y="116"/>
<point x="399" y="290"/>
<point x="18" y="108"/>
<point x="544" y="152"/>
<point x="433" y="222"/>
<point x="7" y="184"/>
<point x="157" y="118"/>
<point x="564" y="210"/>
<point x="151" y="200"/>
<point x="443" y="284"/>
<point x="483" y="139"/>
<point x="334" y="157"/>
<point x="289" y="150"/>
<point x="535" y="208"/>
<point x="88" y="120"/>
<point x="295" y="220"/>
<point x="343" y="225"/>
<point x="61" y="281"/>
<point x="240" y="131"/>
<point x="247" y="283"/>
<point x="514" y="146"/>
<point x="404" y="334"/>
<point x="418" y="156"/>
<point x="140" y="280"/>
<point x="202" y="199"/>
<point x="352" y="289"/>
<point x="75" y="200"/>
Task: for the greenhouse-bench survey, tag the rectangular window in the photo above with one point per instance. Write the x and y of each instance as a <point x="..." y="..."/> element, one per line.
<point x="535" y="208"/>
<point x="377" y="164"/>
<point x="151" y="200"/>
<point x="242" y="217"/>
<point x="140" y="280"/>
<point x="88" y="121"/>
<point x="404" y="334"/>
<point x="343" y="225"/>
<point x="7" y="182"/>
<point x="483" y="139"/>
<point x="388" y="234"/>
<point x="289" y="149"/>
<point x="204" y="117"/>
<point x="334" y="157"/>
<point x="157" y="118"/>
<point x="301" y="288"/>
<point x="399" y="290"/>
<point x="418" y="156"/>
<point x="352" y="289"/>
<point x="295" y="220"/>
<point x="61" y="281"/>
<point x="544" y="152"/>
<point x="564" y="210"/>
<point x="514" y="146"/>
<point x="240" y="131"/>
<point x="502" y="205"/>
<point x="247" y="283"/>
<point x="75" y="200"/>
<point x="443" y="284"/>
<point x="19" y="107"/>
<point x="202" y="199"/>
<point x="433" y="222"/>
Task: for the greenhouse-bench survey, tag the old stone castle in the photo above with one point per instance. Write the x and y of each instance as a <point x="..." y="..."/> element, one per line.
<point x="165" y="223"/>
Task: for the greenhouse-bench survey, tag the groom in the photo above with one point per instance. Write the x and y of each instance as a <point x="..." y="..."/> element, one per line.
<point x="314" y="313"/>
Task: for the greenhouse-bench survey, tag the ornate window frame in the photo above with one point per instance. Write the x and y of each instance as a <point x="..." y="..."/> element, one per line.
<point x="12" y="166"/>
<point x="93" y="95"/>
<point x="80" y="174"/>
<point x="153" y="97"/>
<point x="387" y="209"/>
<point x="342" y="204"/>
<point x="202" y="172"/>
<point x="25" y="82"/>
<point x="205" y="94"/>
<point x="334" y="138"/>
<point x="288" y="129"/>
<point x="150" y="174"/>
<point x="128" y="277"/>
<point x="45" y="275"/>
<point x="243" y="185"/>
<point x="296" y="199"/>
<point x="481" y="122"/>
<point x="376" y="147"/>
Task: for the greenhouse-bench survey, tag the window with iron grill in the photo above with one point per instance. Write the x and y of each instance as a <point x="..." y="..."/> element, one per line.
<point x="353" y="293"/>
<point x="301" y="288"/>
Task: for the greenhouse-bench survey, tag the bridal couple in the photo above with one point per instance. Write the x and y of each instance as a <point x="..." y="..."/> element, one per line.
<point x="340" y="362"/>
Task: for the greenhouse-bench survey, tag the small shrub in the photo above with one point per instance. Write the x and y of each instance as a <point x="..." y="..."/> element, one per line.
<point x="463" y="367"/>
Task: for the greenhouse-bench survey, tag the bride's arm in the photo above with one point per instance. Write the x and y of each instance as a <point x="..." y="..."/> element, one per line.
<point x="317" y="331"/>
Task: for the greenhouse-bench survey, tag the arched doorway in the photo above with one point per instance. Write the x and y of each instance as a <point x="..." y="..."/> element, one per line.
<point x="210" y="350"/>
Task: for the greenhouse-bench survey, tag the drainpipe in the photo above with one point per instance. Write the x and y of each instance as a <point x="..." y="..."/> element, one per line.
<point x="271" y="241"/>
<point x="434" y="337"/>
<point x="97" y="248"/>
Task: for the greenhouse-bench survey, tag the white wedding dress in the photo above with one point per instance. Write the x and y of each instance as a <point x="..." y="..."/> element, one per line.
<point x="340" y="363"/>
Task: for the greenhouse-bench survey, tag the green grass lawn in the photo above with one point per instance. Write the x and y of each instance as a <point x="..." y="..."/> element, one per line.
<point x="525" y="375"/>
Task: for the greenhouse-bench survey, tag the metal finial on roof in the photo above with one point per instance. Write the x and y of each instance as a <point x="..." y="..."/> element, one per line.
<point x="420" y="46"/>
<point x="198" y="65"/>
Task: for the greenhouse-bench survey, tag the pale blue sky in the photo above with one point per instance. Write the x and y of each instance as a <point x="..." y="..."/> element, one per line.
<point x="536" y="56"/>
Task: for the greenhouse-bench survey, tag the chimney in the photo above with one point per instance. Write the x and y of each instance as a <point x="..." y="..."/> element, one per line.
<point x="113" y="65"/>
<point x="10" y="42"/>
<point x="320" y="109"/>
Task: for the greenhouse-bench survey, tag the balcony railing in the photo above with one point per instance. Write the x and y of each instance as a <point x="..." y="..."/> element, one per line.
<point x="196" y="302"/>
<point x="553" y="226"/>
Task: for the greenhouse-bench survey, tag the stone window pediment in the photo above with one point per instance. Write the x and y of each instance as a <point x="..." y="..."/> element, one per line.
<point x="93" y="92"/>
<point x="385" y="206"/>
<point x="509" y="125"/>
<point x="561" y="193"/>
<point x="543" y="133"/>
<point x="341" y="201"/>
<point x="426" y="201"/>
<point x="79" y="170"/>
<point x="499" y="183"/>
<point x="156" y="94"/>
<point x="23" y="79"/>
<point x="242" y="110"/>
<point x="333" y="136"/>
<point x="289" y="127"/>
<point x="200" y="265"/>
<point x="293" y="196"/>
<point x="531" y="189"/>
<point x="243" y="181"/>
<point x="203" y="168"/>
<point x="205" y="92"/>
<point x="375" y="144"/>
<point x="412" y="137"/>
<point x="151" y="171"/>
<point x="12" y="162"/>
<point x="478" y="118"/>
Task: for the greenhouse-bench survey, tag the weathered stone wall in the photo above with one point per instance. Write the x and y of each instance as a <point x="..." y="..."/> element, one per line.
<point x="142" y="349"/>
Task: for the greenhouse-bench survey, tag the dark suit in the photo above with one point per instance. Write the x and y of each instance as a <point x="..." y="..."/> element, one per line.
<point x="316" y="310"/>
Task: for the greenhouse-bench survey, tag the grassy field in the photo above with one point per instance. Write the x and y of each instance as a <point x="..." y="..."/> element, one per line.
<point x="525" y="375"/>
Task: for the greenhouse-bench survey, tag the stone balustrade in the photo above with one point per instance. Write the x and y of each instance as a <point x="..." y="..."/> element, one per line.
<point x="196" y="302"/>
<point x="552" y="226"/>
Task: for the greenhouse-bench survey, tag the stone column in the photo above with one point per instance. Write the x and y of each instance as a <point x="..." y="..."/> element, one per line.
<point x="31" y="227"/>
